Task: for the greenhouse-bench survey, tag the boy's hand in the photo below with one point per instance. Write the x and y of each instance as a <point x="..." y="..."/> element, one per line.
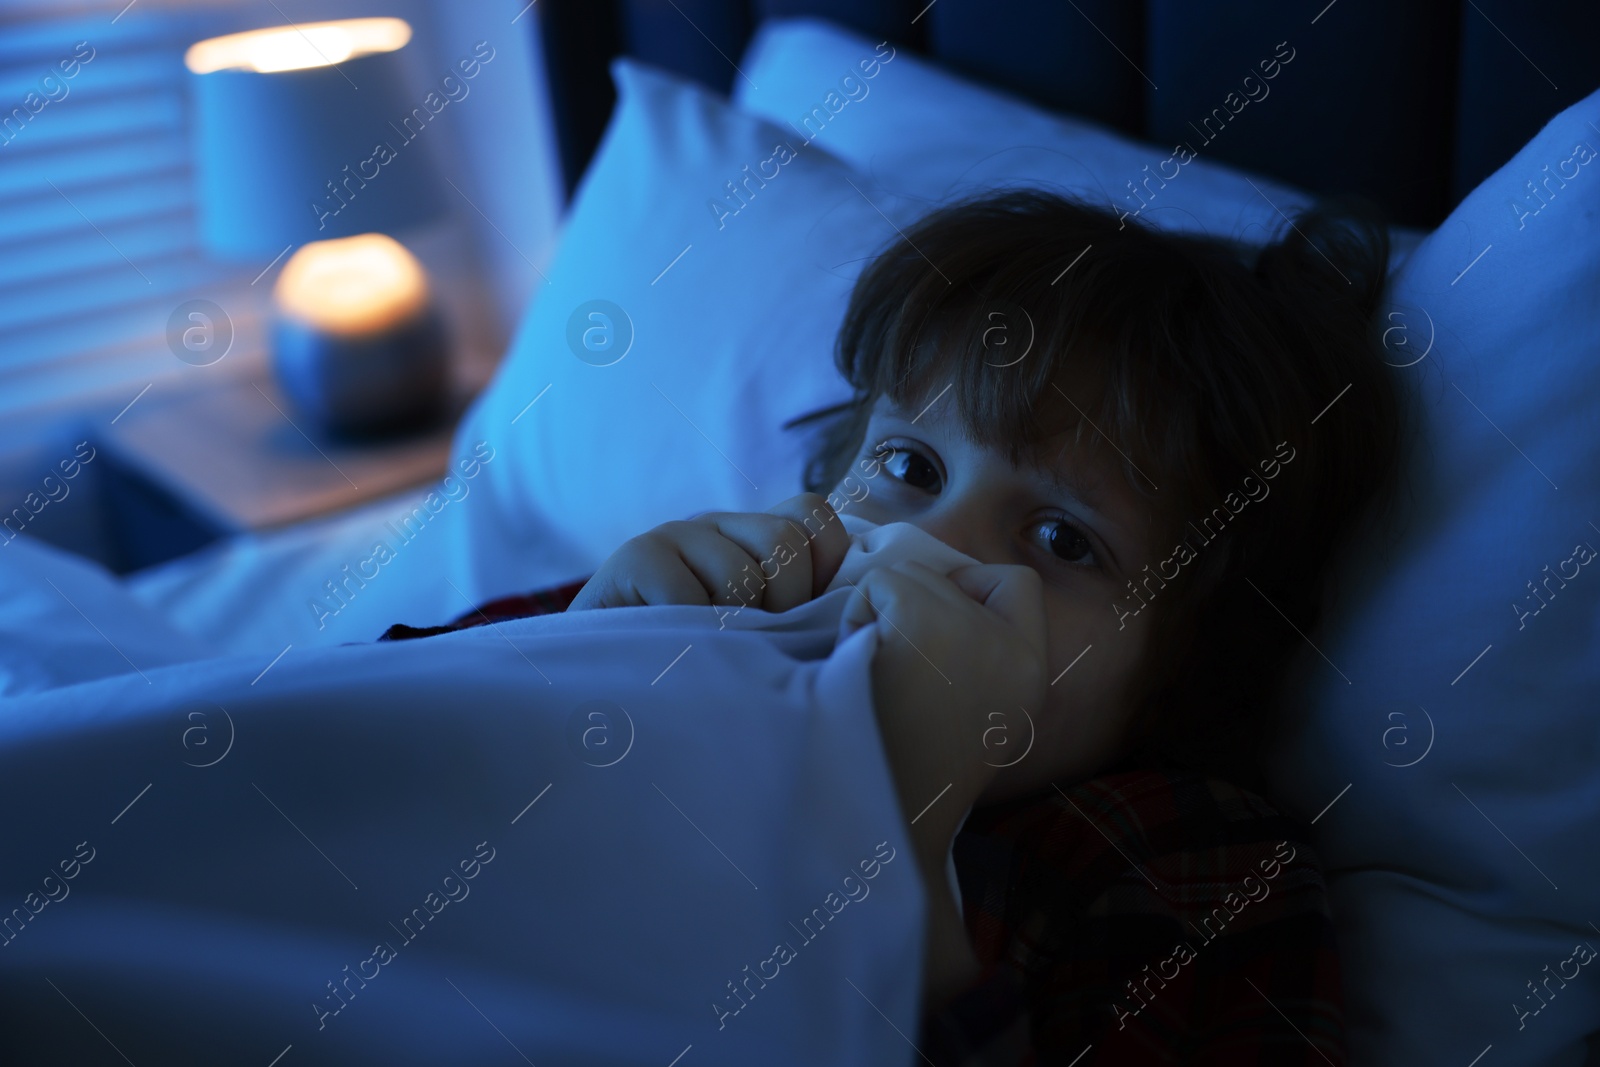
<point x="952" y="650"/>
<point x="771" y="560"/>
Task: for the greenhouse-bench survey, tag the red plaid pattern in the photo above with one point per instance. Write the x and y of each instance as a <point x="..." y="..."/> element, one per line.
<point x="1142" y="917"/>
<point x="543" y="602"/>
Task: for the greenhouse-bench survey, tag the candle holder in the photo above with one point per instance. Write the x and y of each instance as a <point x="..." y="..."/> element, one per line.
<point x="358" y="345"/>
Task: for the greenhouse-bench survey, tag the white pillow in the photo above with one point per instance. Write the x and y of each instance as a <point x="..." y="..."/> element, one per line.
<point x="1460" y="878"/>
<point x="922" y="131"/>
<point x="718" y="325"/>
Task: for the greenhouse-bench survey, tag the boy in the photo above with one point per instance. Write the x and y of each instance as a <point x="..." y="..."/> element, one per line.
<point x="1154" y="459"/>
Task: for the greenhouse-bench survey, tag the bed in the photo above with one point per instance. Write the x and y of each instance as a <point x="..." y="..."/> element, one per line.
<point x="198" y="726"/>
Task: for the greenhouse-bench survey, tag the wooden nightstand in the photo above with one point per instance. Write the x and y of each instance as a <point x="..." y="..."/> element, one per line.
<point x="189" y="464"/>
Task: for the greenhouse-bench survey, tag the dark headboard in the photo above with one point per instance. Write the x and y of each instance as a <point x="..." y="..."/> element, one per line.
<point x="1409" y="103"/>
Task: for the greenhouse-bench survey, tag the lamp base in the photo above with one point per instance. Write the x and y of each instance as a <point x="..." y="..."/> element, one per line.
<point x="383" y="384"/>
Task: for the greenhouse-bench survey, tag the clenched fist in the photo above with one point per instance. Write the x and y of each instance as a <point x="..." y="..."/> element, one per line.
<point x="951" y="650"/>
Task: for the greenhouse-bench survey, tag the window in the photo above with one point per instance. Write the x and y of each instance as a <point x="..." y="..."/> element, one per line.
<point x="98" y="239"/>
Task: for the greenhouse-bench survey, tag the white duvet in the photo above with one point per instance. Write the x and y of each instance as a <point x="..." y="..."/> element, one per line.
<point x="643" y="835"/>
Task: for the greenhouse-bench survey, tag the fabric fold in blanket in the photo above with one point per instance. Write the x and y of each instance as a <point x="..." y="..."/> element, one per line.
<point x="602" y="837"/>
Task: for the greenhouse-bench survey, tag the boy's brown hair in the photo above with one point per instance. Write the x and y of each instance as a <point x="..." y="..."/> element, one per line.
<point x="1202" y="364"/>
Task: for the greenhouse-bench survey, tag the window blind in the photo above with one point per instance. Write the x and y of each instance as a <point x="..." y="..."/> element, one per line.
<point x="98" y="235"/>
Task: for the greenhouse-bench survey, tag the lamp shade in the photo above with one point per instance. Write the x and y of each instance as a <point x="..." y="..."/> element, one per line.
<point x="306" y="133"/>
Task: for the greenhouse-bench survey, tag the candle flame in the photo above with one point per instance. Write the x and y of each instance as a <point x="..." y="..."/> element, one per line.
<point x="352" y="285"/>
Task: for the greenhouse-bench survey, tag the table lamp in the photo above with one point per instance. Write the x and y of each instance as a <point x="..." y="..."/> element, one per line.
<point x="303" y="138"/>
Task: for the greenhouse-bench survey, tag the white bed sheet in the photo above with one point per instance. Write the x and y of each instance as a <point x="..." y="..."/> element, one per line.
<point x="262" y="592"/>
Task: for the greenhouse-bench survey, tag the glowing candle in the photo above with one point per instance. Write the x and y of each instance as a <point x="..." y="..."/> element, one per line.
<point x="357" y="343"/>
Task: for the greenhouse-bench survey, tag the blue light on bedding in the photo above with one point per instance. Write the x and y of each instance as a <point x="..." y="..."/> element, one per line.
<point x="586" y="837"/>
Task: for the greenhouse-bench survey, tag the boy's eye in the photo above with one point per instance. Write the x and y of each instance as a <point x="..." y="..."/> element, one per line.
<point x="913" y="468"/>
<point x="1067" y="543"/>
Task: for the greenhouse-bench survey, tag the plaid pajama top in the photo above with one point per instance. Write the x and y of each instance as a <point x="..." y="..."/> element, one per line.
<point x="1141" y="917"/>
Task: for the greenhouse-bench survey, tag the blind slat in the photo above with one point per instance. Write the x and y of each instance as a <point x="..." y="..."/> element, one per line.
<point x="152" y="111"/>
<point x="63" y="210"/>
<point x="127" y="312"/>
<point x="73" y="258"/>
<point x="44" y="40"/>
<point x="107" y="160"/>
<point x="104" y="74"/>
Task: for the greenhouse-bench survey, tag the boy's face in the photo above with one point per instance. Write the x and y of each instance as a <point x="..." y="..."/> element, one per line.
<point x="1086" y="542"/>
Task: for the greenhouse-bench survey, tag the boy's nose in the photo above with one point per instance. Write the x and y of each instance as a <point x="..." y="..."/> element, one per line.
<point x="955" y="528"/>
